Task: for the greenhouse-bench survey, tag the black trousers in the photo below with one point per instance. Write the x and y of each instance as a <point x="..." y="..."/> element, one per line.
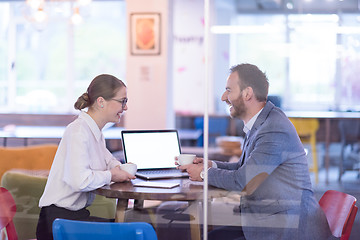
<point x="227" y="233"/>
<point x="173" y="211"/>
<point x="50" y="213"/>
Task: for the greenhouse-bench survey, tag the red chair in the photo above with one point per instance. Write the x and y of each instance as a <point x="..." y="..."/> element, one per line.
<point x="340" y="211"/>
<point x="7" y="213"/>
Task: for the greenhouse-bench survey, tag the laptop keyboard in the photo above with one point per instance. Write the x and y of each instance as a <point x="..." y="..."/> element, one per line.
<point x="152" y="172"/>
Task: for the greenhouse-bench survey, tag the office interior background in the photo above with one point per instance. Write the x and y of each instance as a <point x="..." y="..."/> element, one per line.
<point x="308" y="49"/>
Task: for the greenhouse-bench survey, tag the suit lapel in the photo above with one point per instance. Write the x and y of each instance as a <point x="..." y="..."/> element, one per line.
<point x="259" y="121"/>
<point x="262" y="117"/>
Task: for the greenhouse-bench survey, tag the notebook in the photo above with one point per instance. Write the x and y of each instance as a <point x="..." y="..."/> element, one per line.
<point x="153" y="151"/>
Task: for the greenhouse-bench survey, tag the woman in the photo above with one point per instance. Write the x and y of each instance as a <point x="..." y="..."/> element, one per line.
<point x="82" y="163"/>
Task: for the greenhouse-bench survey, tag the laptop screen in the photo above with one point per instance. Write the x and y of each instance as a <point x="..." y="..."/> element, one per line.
<point x="151" y="149"/>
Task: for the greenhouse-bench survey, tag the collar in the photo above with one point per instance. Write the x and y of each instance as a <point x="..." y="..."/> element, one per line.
<point x="250" y="124"/>
<point x="92" y="125"/>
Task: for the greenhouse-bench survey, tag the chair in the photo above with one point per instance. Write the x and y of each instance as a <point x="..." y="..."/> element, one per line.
<point x="306" y="128"/>
<point x="218" y="126"/>
<point x="71" y="229"/>
<point x="340" y="211"/>
<point x="27" y="186"/>
<point x="275" y="99"/>
<point x="350" y="136"/>
<point x="7" y="213"/>
<point x="35" y="157"/>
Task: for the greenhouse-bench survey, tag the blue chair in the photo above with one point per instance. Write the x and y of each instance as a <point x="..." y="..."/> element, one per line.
<point x="64" y="229"/>
<point x="218" y="126"/>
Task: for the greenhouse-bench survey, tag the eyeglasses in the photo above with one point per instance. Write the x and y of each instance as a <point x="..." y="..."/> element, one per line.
<point x="123" y="101"/>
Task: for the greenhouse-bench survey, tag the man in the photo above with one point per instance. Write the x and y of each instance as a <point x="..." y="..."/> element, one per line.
<point x="272" y="173"/>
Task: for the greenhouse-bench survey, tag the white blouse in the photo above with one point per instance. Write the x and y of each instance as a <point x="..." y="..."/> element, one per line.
<point x="82" y="163"/>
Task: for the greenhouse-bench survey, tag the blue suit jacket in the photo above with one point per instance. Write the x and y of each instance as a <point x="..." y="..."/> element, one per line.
<point x="283" y="205"/>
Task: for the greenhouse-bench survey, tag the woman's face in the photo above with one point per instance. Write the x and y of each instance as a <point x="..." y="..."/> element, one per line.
<point x="116" y="106"/>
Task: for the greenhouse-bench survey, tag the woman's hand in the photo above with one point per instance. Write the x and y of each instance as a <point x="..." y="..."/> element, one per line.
<point x="118" y="175"/>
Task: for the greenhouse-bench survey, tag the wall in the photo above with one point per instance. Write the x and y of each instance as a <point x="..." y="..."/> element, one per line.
<point x="149" y="77"/>
<point x="188" y="58"/>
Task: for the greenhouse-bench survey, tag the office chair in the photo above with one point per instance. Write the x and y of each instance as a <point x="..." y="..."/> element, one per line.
<point x="306" y="129"/>
<point x="64" y="229"/>
<point x="218" y="126"/>
<point x="7" y="213"/>
<point x="340" y="211"/>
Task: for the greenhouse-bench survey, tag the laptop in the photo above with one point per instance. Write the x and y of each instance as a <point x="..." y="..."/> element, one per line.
<point x="153" y="151"/>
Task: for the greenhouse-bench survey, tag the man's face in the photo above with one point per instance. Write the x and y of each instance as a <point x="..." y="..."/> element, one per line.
<point x="233" y="96"/>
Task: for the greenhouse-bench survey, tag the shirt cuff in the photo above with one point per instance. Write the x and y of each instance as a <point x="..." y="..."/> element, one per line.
<point x="213" y="164"/>
<point x="108" y="177"/>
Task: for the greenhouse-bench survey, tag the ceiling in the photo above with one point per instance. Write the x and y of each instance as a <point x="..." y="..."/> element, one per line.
<point x="297" y="6"/>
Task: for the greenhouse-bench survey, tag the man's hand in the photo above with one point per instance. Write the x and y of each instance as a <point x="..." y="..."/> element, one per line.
<point x="197" y="160"/>
<point x="194" y="171"/>
<point x="118" y="175"/>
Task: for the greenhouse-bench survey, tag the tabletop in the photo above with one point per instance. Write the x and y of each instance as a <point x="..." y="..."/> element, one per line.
<point x="187" y="191"/>
<point x="58" y="131"/>
<point x="51" y="132"/>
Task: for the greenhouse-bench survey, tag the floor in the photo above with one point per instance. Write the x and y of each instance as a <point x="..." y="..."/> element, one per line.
<point x="350" y="184"/>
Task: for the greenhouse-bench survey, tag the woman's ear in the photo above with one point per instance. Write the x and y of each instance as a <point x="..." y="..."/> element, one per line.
<point x="100" y="102"/>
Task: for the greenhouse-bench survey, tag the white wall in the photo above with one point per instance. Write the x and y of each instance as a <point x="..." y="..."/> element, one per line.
<point x="188" y="58"/>
<point x="149" y="77"/>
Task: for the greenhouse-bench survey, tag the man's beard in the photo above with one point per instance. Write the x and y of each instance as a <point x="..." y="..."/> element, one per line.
<point x="238" y="107"/>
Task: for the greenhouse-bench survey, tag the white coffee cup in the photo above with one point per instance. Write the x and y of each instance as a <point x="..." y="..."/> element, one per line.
<point x="184" y="159"/>
<point x="129" y="167"/>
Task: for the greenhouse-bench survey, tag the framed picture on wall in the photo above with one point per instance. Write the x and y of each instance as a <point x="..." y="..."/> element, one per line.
<point x="145" y="33"/>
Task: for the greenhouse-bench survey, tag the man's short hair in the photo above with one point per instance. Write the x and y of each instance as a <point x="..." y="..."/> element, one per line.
<point x="251" y="76"/>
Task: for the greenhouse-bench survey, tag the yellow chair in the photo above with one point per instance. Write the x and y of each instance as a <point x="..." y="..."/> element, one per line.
<point x="306" y="129"/>
<point x="34" y="157"/>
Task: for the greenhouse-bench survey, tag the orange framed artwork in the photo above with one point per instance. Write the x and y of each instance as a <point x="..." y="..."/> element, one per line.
<point x="145" y="33"/>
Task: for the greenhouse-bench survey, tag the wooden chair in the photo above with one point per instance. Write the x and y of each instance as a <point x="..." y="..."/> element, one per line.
<point x="306" y="129"/>
<point x="340" y="211"/>
<point x="7" y="213"/>
<point x="77" y="230"/>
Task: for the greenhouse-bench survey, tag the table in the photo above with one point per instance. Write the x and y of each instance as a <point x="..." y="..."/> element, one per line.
<point x="328" y="117"/>
<point x="51" y="132"/>
<point x="56" y="132"/>
<point x="187" y="191"/>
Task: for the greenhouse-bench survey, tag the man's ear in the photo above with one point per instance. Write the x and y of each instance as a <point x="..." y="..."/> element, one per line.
<point x="248" y="93"/>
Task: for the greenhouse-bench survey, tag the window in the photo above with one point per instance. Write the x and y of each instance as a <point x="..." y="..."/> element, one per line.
<point x="262" y="41"/>
<point x="348" y="95"/>
<point x="46" y="67"/>
<point x="310" y="59"/>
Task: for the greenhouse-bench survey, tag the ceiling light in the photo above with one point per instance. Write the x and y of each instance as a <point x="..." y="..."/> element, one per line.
<point x="40" y="15"/>
<point x="35" y="4"/>
<point x="84" y="2"/>
<point x="76" y="17"/>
